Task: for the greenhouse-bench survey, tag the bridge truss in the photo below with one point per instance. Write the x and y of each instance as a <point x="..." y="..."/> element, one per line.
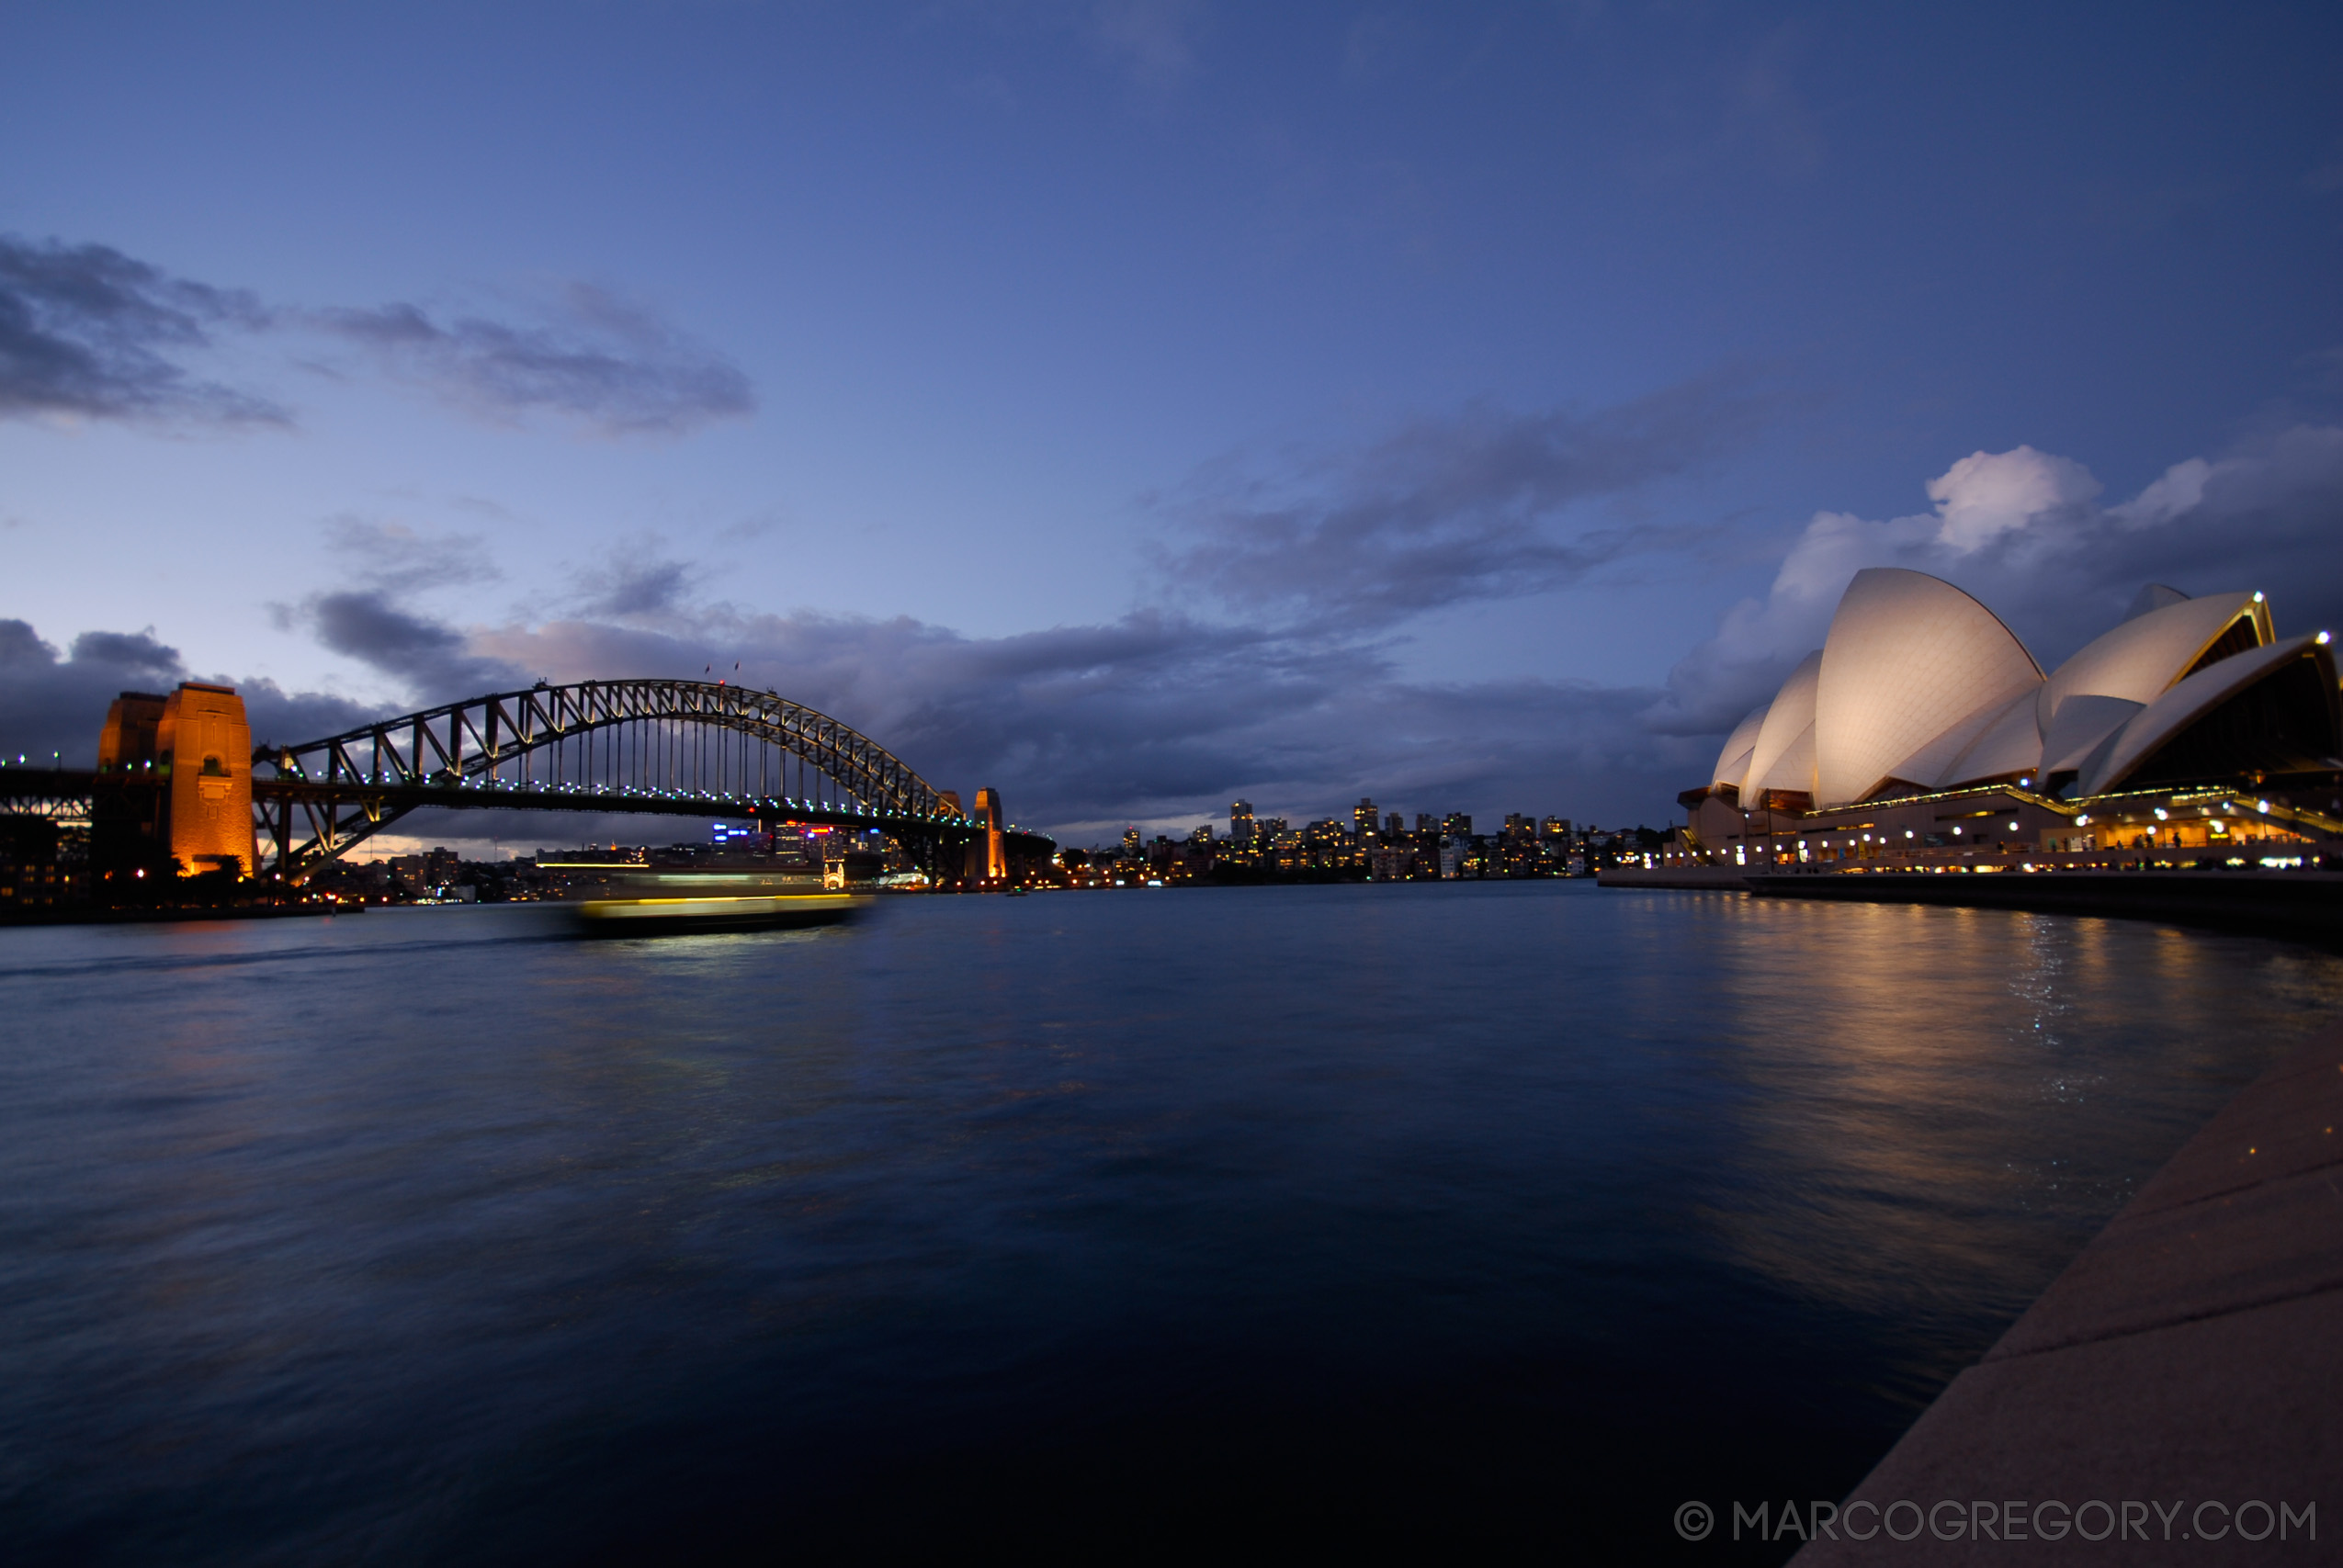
<point x="693" y="747"/>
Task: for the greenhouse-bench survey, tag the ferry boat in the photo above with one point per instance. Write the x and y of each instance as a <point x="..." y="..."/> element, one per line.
<point x="653" y="899"/>
<point x="659" y="916"/>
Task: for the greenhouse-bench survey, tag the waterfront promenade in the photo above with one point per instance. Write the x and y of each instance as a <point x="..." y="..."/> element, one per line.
<point x="2301" y="904"/>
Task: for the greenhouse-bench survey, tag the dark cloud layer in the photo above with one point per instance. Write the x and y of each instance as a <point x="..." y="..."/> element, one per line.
<point x="1165" y="715"/>
<point x="52" y="704"/>
<point x="1155" y="717"/>
<point x="1160" y="717"/>
<point x="611" y="365"/>
<point x="401" y="559"/>
<point x="1471" y="506"/>
<point x="88" y="331"/>
<point x="635" y="583"/>
<point x="433" y="660"/>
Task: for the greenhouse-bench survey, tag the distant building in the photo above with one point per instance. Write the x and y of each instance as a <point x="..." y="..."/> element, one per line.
<point x="1292" y="851"/>
<point x="1241" y="824"/>
<point x="1364" y="818"/>
<point x="33" y="874"/>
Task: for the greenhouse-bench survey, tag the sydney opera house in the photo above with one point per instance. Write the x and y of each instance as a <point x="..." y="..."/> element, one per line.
<point x="1922" y="731"/>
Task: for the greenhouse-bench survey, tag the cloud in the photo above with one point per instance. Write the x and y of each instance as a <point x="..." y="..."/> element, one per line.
<point x="1471" y="506"/>
<point x="610" y="366"/>
<point x="87" y="331"/>
<point x="1987" y="495"/>
<point x="634" y="582"/>
<point x="432" y="661"/>
<point x="398" y="558"/>
<point x="2025" y="532"/>
<point x="1163" y="716"/>
<point x="131" y="653"/>
<point x="52" y="704"/>
<point x="1158" y="717"/>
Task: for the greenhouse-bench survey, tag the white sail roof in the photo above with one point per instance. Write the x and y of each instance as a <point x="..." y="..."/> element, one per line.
<point x="2082" y="723"/>
<point x="1938" y="754"/>
<point x="2009" y="742"/>
<point x="1733" y="762"/>
<point x="1784" y="756"/>
<point x="2182" y="705"/>
<point x="2140" y="658"/>
<point x="1918" y="684"/>
<point x="2131" y="666"/>
<point x="1908" y="657"/>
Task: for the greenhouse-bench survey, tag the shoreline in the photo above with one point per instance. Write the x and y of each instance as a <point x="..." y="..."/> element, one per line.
<point x="2299" y="905"/>
<point x="20" y="917"/>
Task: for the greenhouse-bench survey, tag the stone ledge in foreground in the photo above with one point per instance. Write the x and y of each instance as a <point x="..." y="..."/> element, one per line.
<point x="2193" y="1352"/>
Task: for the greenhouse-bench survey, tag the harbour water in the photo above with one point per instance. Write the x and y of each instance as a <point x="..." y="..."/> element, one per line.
<point x="1243" y="1219"/>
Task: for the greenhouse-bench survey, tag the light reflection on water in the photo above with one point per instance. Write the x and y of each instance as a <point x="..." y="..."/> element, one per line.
<point x="434" y="1233"/>
<point x="1952" y="1100"/>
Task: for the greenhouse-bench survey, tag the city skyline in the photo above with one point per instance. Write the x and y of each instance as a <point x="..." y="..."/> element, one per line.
<point x="1141" y="406"/>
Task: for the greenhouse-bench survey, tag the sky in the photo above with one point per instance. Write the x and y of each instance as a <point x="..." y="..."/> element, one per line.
<point x="1140" y="404"/>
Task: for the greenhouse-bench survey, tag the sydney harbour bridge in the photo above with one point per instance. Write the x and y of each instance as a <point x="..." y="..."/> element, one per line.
<point x="598" y="748"/>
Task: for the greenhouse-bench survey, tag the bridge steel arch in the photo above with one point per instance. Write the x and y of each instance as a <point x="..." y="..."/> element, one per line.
<point x="670" y="747"/>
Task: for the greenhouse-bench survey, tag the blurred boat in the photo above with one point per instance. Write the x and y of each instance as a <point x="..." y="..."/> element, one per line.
<point x="739" y="912"/>
<point x="658" y="905"/>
